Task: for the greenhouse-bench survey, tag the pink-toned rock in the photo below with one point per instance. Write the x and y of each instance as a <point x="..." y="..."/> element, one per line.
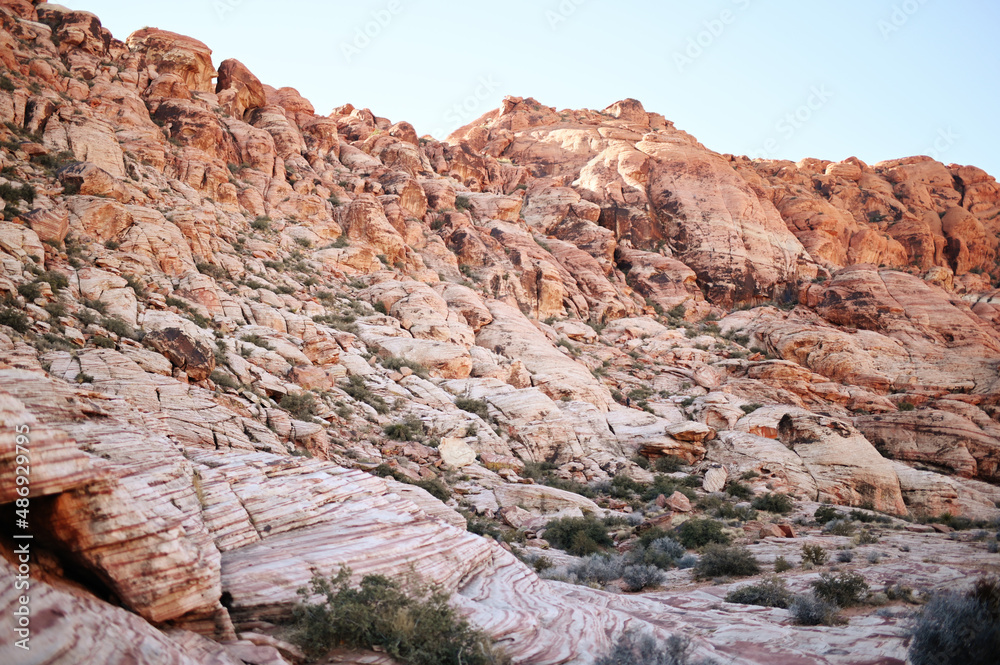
<point x="678" y="502"/>
<point x="247" y="91"/>
<point x="170" y="53"/>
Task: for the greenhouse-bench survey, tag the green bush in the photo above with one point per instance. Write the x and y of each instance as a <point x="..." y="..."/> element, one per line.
<point x="29" y="292"/>
<point x="358" y="389"/>
<point x="700" y="532"/>
<point x="410" y="429"/>
<point x="772" y="592"/>
<point x="781" y="564"/>
<point x="634" y="648"/>
<point x="669" y="464"/>
<point x="959" y="629"/>
<point x="579" y="536"/>
<point x="738" y="490"/>
<point x="119" y="327"/>
<point x="301" y="406"/>
<point x="418" y="627"/>
<point x="14" y="318"/>
<point x="639" y="576"/>
<point x="774" y="503"/>
<point x="476" y="406"/>
<point x="826" y="514"/>
<point x="257" y="340"/>
<point x="814" y="554"/>
<point x="462" y="203"/>
<point x="222" y="379"/>
<point x="845" y="590"/>
<point x="725" y="561"/>
<point x="396" y="363"/>
<point x="813" y="611"/>
<point x="261" y="224"/>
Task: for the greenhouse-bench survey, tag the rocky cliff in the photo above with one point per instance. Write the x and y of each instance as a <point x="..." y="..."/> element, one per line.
<point x="233" y="326"/>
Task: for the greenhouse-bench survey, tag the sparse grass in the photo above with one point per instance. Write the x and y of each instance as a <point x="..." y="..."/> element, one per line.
<point x="356" y="387"/>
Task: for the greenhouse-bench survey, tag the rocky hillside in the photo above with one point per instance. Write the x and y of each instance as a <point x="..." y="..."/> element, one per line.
<point x="252" y="343"/>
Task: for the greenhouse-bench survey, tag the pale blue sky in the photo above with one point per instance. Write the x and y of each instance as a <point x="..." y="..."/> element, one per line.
<point x="884" y="78"/>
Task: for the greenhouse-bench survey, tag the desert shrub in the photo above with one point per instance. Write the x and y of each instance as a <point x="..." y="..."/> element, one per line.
<point x="722" y="560"/>
<point x="433" y="486"/>
<point x="664" y="485"/>
<point x="687" y="561"/>
<point x="102" y="342"/>
<point x="222" y="379"/>
<point x="772" y="592"/>
<point x="661" y="552"/>
<point x="358" y="389"/>
<point x="814" y="554"/>
<point x="959" y="629"/>
<point x="14" y="318"/>
<point x="462" y="203"/>
<point x="29" y="292"/>
<point x="867" y="537"/>
<point x="668" y="464"/>
<point x="839" y="527"/>
<point x="119" y="327"/>
<point x="845" y="590"/>
<point x="410" y="429"/>
<point x="600" y="568"/>
<point x="396" y="363"/>
<point x="258" y="341"/>
<point x="781" y="564"/>
<point x="623" y="487"/>
<point x="301" y="406"/>
<point x="700" y="532"/>
<point x="578" y="535"/>
<point x="418" y="627"/>
<point x="845" y="556"/>
<point x="639" y="576"/>
<point x="774" y="503"/>
<point x="634" y="648"/>
<point x="826" y="514"/>
<point x="212" y="270"/>
<point x="738" y="490"/>
<point x="813" y="611"/>
<point x="476" y="406"/>
<point x="261" y="224"/>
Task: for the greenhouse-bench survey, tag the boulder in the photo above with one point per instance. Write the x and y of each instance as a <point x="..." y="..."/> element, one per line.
<point x="191" y="355"/>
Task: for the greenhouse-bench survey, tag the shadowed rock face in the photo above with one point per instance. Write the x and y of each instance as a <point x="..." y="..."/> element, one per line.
<point x="224" y="318"/>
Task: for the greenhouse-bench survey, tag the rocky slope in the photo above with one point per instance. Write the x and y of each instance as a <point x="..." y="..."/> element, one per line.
<point x="222" y="311"/>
